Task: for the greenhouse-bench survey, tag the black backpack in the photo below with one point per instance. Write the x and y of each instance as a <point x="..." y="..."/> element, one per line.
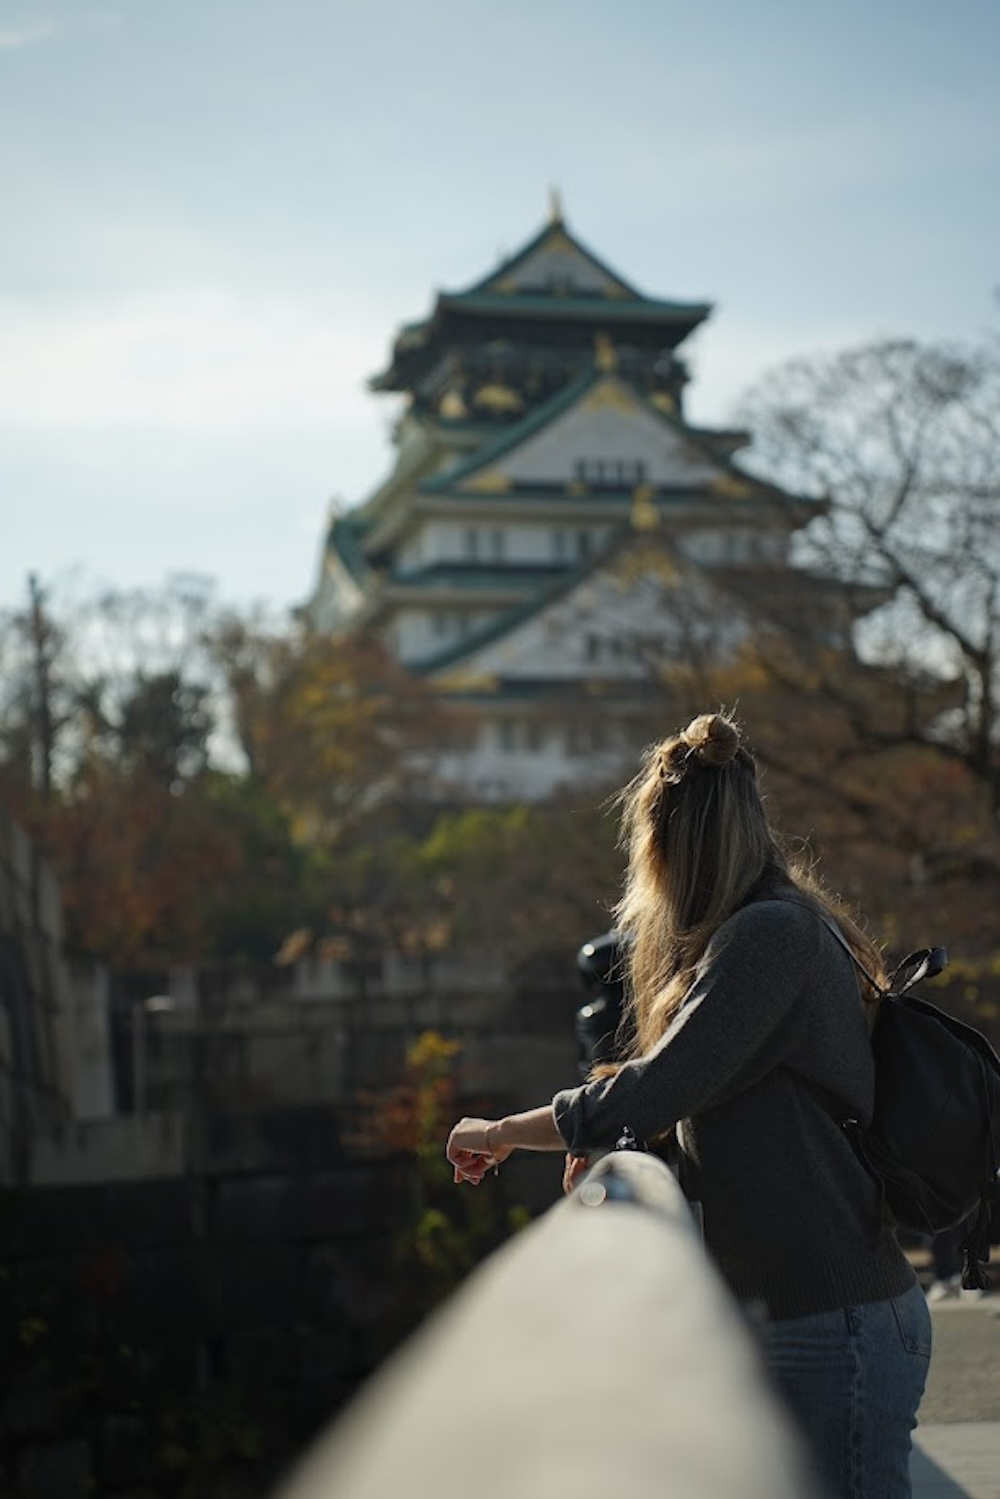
<point x="932" y="1144"/>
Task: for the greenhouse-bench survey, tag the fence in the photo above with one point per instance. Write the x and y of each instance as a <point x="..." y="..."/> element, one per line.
<point x="597" y="1353"/>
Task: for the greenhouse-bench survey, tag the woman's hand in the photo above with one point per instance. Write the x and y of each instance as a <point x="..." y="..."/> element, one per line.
<point x="575" y="1167"/>
<point x="474" y="1148"/>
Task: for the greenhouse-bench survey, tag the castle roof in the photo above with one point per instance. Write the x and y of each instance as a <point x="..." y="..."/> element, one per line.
<point x="553" y="282"/>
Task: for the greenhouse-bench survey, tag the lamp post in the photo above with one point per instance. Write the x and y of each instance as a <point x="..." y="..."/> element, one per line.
<point x="156" y="1004"/>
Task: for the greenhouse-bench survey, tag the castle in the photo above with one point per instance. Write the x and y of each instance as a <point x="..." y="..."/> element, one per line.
<point x="554" y="532"/>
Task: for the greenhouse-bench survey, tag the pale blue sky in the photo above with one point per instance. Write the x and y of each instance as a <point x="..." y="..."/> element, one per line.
<point x="216" y="212"/>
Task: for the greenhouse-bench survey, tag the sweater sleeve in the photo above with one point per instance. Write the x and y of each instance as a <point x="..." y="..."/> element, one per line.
<point x="736" y="1023"/>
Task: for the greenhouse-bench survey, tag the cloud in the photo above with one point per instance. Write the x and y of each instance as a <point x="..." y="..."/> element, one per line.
<point x="26" y="36"/>
<point x="202" y="360"/>
<point x="727" y="358"/>
<point x="13" y="38"/>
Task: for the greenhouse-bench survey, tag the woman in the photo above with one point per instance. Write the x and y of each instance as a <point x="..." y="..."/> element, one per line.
<point x="751" y="1038"/>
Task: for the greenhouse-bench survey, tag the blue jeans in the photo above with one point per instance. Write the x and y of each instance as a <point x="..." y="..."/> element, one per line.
<point x="853" y="1379"/>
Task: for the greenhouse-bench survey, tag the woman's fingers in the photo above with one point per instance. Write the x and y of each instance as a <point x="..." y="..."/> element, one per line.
<point x="471" y="1173"/>
<point x="469" y="1150"/>
<point x="468" y="1136"/>
<point x="465" y="1158"/>
<point x="575" y="1167"/>
<point x="470" y="1165"/>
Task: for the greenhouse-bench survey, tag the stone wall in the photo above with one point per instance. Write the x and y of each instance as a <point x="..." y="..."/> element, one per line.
<point x="187" y="1336"/>
<point x="199" y="1272"/>
<point x="161" y="1047"/>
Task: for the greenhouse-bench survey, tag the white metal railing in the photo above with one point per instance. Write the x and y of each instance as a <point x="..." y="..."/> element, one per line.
<point x="596" y="1355"/>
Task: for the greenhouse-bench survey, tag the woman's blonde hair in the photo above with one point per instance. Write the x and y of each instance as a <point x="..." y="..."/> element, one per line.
<point x="700" y="844"/>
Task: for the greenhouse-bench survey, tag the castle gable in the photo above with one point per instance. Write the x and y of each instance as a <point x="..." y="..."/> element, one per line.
<point x="619" y="621"/>
<point x="555" y="264"/>
<point x="602" y="435"/>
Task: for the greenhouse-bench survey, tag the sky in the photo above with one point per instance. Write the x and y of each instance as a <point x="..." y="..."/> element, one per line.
<point x="216" y="213"/>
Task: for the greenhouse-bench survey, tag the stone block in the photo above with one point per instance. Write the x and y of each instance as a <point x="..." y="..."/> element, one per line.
<point x="55" y="1470"/>
<point x="55" y="1293"/>
<point x="213" y="1288"/>
<point x="30" y="1404"/>
<point x="161" y="1294"/>
<point x="329" y="1204"/>
<point x="127" y="1454"/>
<point x="251" y="1285"/>
<point x="55" y="1220"/>
<point x="270" y="1140"/>
<point x="361" y="1289"/>
<point x="295" y="1355"/>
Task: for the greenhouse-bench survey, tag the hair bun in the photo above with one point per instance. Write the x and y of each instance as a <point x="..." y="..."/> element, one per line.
<point x="712" y="739"/>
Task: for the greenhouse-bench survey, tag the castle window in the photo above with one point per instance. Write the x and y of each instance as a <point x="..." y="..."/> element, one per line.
<point x="577" y="739"/>
<point x="497" y="542"/>
<point x="739" y="547"/>
<point x="598" y="738"/>
<point x="471" y="541"/>
<point x="587" y="738"/>
<point x="507" y="735"/>
<point x="583" y="543"/>
<point x="610" y="473"/>
<point x="560" y="545"/>
<point x="440" y="623"/>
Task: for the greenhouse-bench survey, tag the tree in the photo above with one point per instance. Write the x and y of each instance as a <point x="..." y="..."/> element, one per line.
<point x="36" y="701"/>
<point x="902" y="440"/>
<point x="887" y="754"/>
<point x="108" y="711"/>
<point x="336" y="730"/>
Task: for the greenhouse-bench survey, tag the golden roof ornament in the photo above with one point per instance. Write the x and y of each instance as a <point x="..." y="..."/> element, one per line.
<point x="605" y="353"/>
<point x="645" y="516"/>
<point x="498" y="398"/>
<point x="465" y="681"/>
<point x="488" y="481"/>
<point x="555" y="206"/>
<point x="731" y="485"/>
<point x="452" y="407"/>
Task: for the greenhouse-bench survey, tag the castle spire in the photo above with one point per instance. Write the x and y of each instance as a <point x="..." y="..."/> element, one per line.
<point x="555" y="206"/>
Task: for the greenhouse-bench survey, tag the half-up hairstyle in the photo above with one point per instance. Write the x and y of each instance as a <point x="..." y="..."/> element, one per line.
<point x="699" y="845"/>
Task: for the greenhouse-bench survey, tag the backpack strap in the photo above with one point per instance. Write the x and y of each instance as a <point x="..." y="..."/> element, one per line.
<point x="925" y="963"/>
<point x="852" y="1127"/>
<point x="834" y="929"/>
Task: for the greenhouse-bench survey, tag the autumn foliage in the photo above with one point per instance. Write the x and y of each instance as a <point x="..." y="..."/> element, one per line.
<point x="211" y="786"/>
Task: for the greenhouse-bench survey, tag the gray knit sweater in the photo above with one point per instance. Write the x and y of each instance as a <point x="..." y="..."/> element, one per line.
<point x="767" y="1056"/>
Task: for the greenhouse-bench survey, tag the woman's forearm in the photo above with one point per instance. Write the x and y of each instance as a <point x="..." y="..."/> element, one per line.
<point x="533" y="1130"/>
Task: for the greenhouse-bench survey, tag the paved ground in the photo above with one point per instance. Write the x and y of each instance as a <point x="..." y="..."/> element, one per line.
<point x="964" y="1379"/>
<point x="958" y="1439"/>
<point x="957" y="1462"/>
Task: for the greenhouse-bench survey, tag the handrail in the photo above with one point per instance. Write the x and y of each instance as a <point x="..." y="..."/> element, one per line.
<point x="597" y="1353"/>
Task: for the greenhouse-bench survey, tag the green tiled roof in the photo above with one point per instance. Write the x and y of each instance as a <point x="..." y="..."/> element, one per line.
<point x="514" y="617"/>
<point x="601" y="309"/>
<point x="471" y="575"/>
<point x="595" y="690"/>
<point x="615" y="304"/>
<point x="344" y="538"/>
